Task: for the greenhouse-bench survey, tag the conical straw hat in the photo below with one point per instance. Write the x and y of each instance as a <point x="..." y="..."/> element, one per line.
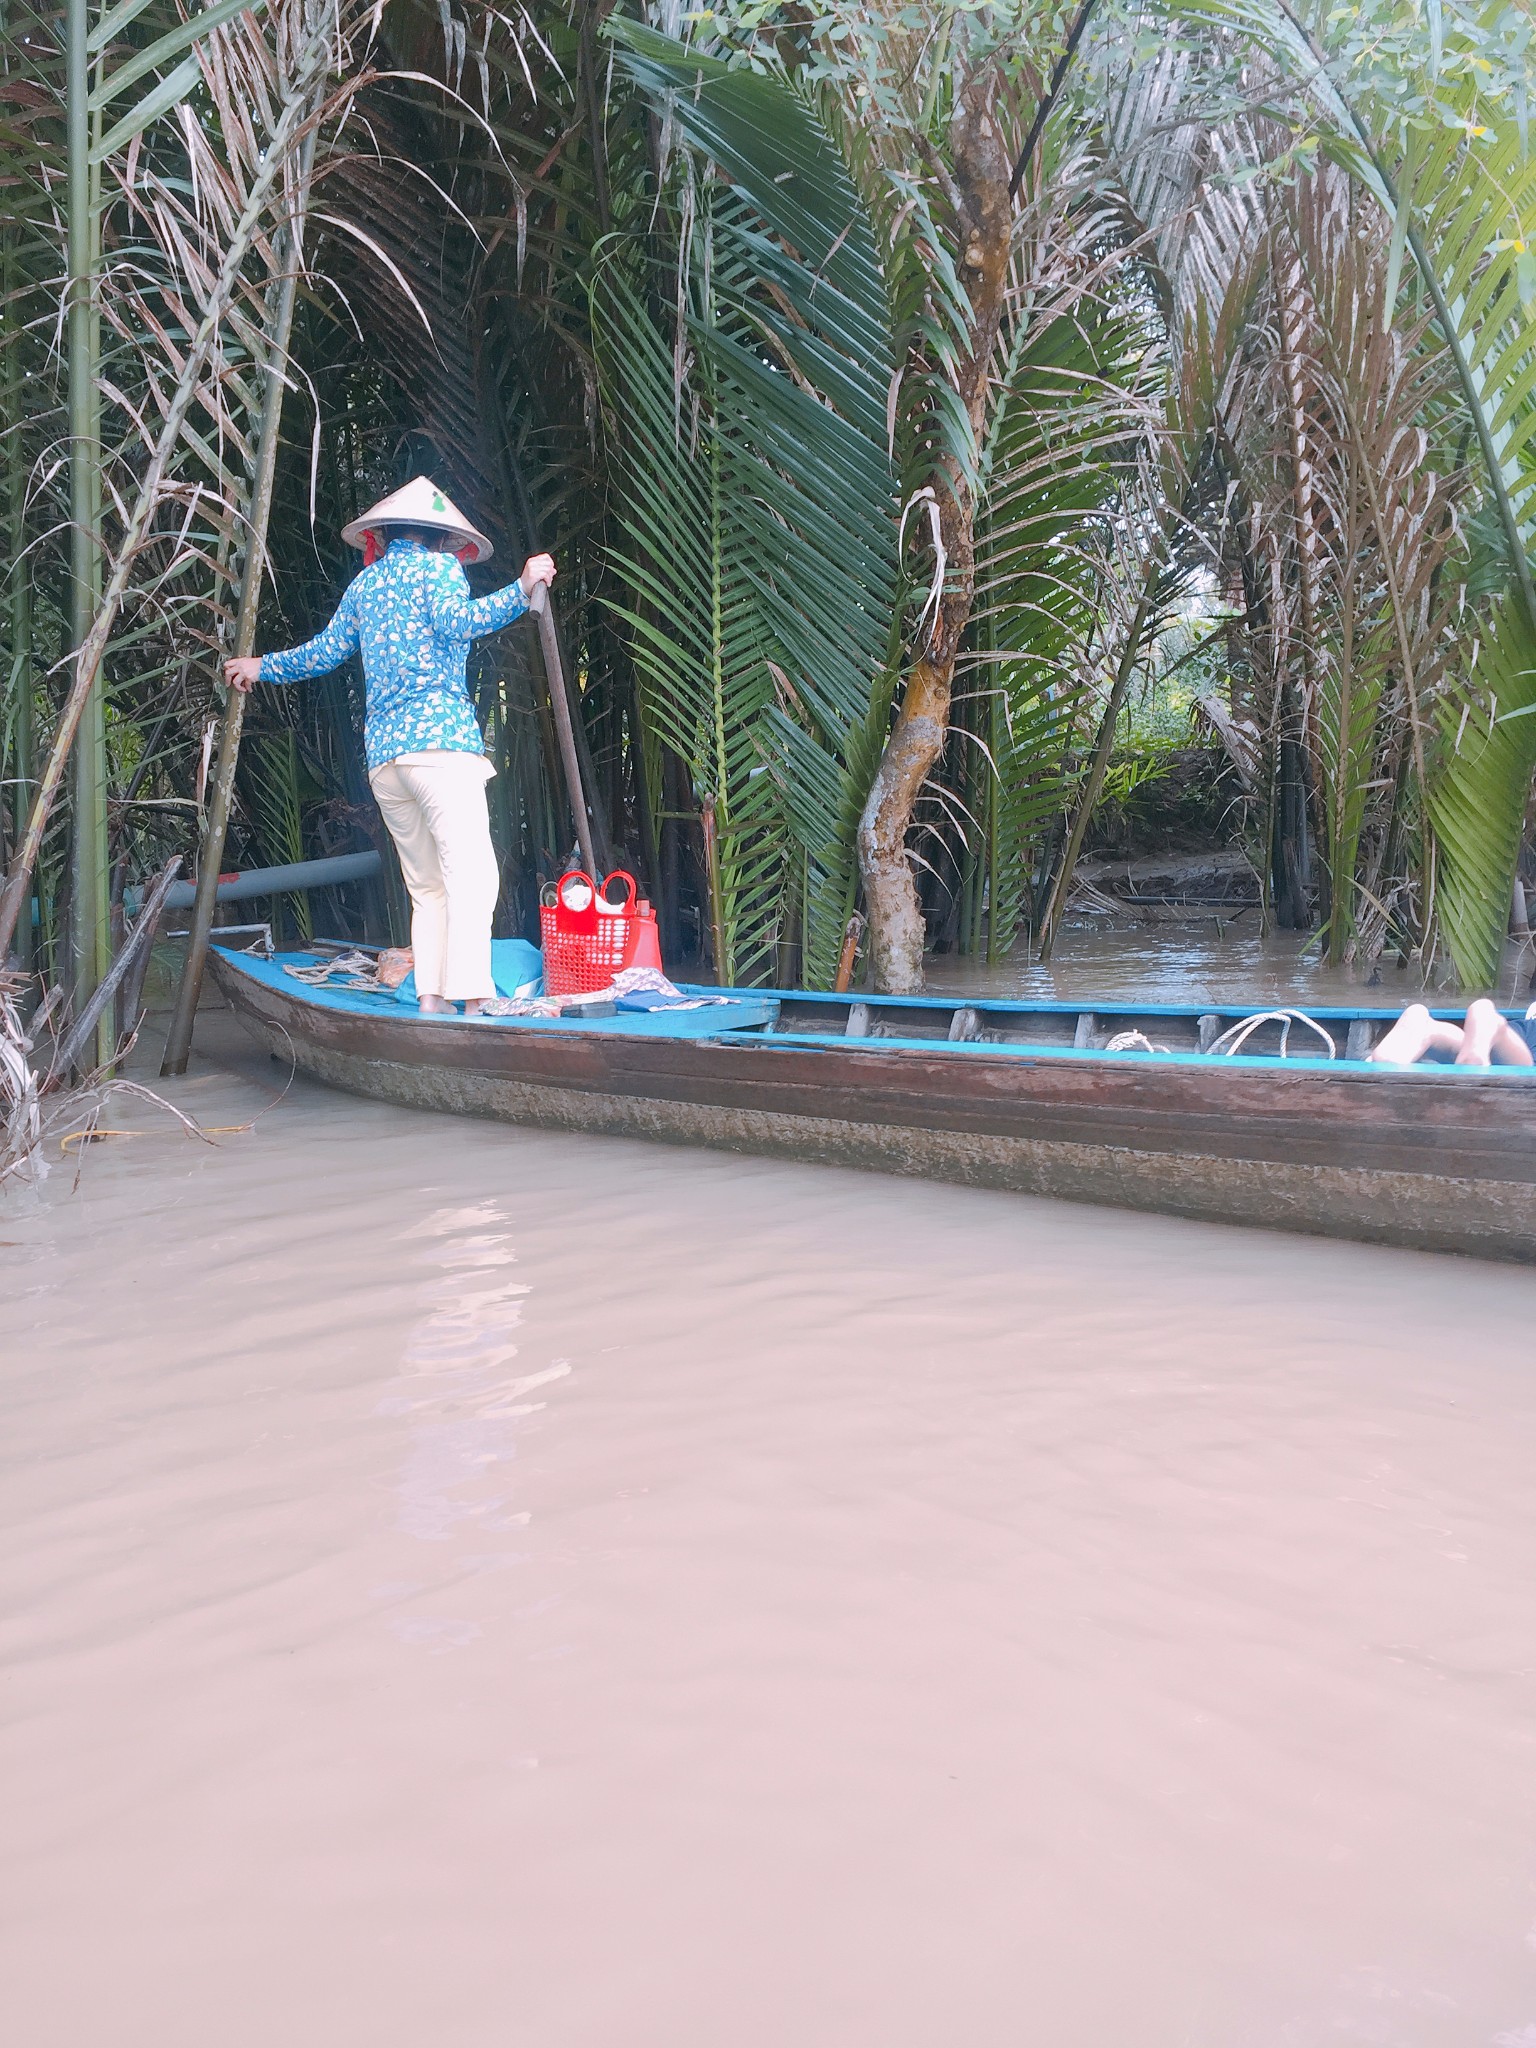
<point x="418" y="503"/>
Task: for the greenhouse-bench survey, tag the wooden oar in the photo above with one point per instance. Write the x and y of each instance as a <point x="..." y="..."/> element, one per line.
<point x="554" y="669"/>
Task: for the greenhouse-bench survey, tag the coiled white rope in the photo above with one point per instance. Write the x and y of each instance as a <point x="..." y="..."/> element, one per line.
<point x="343" y="970"/>
<point x="1240" y="1033"/>
<point x="1134" y="1041"/>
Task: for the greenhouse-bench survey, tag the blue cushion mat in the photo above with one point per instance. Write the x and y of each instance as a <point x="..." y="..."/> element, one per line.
<point x="740" y="1013"/>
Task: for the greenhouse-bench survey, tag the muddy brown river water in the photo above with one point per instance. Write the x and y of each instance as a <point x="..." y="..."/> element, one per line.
<point x="466" y="1587"/>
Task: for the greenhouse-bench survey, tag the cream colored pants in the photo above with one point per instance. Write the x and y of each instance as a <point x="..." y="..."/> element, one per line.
<point x="434" y="805"/>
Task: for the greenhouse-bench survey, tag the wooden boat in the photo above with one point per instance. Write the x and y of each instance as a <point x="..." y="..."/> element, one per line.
<point x="1038" y="1097"/>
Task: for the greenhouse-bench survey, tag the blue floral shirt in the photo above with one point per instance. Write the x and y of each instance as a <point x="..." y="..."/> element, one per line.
<point x="412" y="616"/>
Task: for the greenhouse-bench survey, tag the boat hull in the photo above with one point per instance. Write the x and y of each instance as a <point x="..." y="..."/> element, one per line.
<point x="1421" y="1159"/>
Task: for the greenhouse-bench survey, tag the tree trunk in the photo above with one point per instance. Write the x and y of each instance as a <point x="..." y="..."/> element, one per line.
<point x="896" y="931"/>
<point x="1093" y="782"/>
<point x="21" y="764"/>
<point x="90" y="925"/>
<point x="1292" y="851"/>
<point x="983" y="229"/>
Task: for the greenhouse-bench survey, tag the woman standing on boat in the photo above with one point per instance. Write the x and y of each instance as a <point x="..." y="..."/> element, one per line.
<point x="411" y="615"/>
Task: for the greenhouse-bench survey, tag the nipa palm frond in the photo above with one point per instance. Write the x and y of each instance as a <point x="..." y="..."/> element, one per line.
<point x="1065" y="400"/>
<point x="762" y="616"/>
<point x="270" y="772"/>
<point x="1478" y="798"/>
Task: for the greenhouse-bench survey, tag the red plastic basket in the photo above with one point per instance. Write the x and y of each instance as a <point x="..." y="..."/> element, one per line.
<point x="588" y="937"/>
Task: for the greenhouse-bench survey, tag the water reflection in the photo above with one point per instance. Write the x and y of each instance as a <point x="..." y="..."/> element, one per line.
<point x="1191" y="964"/>
<point x="463" y="1407"/>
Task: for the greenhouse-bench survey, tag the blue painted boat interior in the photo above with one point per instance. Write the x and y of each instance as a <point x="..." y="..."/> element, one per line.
<point x="738" y="1013"/>
<point x="814" y="1020"/>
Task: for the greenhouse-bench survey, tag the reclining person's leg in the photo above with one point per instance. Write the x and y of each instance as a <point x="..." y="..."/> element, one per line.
<point x="1491" y="1040"/>
<point x="1416" y="1036"/>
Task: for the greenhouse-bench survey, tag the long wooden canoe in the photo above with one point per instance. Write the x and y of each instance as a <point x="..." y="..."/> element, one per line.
<point x="1021" y="1095"/>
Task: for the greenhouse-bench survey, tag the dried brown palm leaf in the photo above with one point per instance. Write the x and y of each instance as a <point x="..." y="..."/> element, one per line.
<point x="1356" y="520"/>
<point x="246" y="174"/>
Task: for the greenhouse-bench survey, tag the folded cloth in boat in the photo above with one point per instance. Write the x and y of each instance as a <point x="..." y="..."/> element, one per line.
<point x="600" y="1002"/>
<point x="647" y="988"/>
<point x="646" y="999"/>
<point x="638" y="990"/>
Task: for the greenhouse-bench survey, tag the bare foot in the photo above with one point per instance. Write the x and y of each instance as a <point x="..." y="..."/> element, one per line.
<point x="1490" y="1041"/>
<point x="434" y="1006"/>
<point x="1483" y="1026"/>
<point x="1415" y="1036"/>
<point x="474" y="1005"/>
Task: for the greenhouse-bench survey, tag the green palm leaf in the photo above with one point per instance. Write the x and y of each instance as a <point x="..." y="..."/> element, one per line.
<point x="1478" y="799"/>
<point x="696" y="630"/>
<point x="1458" y="180"/>
<point x="760" y="613"/>
<point x="1047" y="485"/>
<point x="269" y="771"/>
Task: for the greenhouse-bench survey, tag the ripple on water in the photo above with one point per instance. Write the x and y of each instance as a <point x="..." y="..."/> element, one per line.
<point x="467" y="1585"/>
